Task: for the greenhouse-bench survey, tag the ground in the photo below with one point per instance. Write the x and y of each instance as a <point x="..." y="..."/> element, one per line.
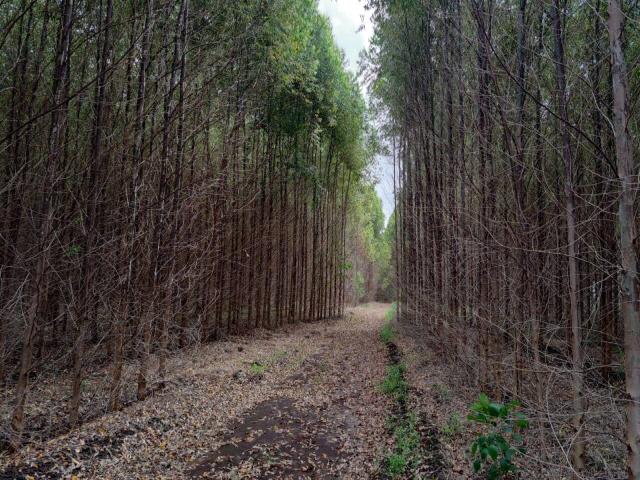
<point x="303" y="402"/>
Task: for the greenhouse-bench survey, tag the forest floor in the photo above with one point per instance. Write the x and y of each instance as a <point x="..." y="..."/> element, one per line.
<point x="302" y="402"/>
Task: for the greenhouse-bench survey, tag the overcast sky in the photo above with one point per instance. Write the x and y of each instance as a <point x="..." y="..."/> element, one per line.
<point x="352" y="30"/>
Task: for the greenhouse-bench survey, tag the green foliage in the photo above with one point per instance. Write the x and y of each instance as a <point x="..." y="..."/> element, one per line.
<point x="396" y="465"/>
<point x="386" y="334"/>
<point x="406" y="454"/>
<point x="358" y="285"/>
<point x="369" y="247"/>
<point x="390" y="314"/>
<point x="497" y="448"/>
<point x="257" y="369"/>
<point x="394" y="383"/>
<point x="73" y="250"/>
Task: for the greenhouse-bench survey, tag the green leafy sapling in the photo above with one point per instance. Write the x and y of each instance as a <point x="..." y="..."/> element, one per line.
<point x="496" y="449"/>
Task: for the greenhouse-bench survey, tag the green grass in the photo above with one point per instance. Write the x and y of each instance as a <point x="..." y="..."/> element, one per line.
<point x="405" y="456"/>
<point x="257" y="369"/>
<point x="386" y="334"/>
<point x="406" y="453"/>
<point x="394" y="382"/>
<point x="390" y="315"/>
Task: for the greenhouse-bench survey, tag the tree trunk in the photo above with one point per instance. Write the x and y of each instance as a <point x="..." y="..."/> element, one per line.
<point x="630" y="287"/>
<point x="578" y="448"/>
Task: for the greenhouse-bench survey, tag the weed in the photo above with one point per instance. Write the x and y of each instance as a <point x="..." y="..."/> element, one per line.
<point x="390" y="314"/>
<point x="443" y="394"/>
<point x="498" y="447"/>
<point x="453" y="426"/>
<point x="406" y="454"/>
<point x="386" y="334"/>
<point x="394" y="383"/>
<point x="257" y="369"/>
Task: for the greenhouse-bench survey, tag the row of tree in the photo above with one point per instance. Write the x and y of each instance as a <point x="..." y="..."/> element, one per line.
<point x="369" y="244"/>
<point x="512" y="130"/>
<point x="171" y="171"/>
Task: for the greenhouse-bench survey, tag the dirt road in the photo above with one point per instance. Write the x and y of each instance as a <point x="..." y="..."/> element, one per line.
<point x="302" y="403"/>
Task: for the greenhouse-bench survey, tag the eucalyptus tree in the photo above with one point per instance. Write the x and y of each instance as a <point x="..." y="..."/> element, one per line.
<point x="506" y="121"/>
<point x="172" y="172"/>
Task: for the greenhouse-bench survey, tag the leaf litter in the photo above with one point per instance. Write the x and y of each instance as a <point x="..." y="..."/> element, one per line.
<point x="312" y="409"/>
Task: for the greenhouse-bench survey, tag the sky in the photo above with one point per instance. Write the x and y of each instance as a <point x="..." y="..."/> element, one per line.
<point x="352" y="30"/>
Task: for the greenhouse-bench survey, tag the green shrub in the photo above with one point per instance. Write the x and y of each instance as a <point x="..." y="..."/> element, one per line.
<point x="496" y="449"/>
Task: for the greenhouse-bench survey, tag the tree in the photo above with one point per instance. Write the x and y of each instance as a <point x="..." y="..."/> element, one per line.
<point x="627" y="236"/>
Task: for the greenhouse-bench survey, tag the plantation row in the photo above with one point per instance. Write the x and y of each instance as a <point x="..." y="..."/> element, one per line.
<point x="513" y="129"/>
<point x="171" y="172"/>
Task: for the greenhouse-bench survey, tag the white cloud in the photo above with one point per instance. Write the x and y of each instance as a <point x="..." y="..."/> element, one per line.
<point x="352" y="30"/>
<point x="347" y="19"/>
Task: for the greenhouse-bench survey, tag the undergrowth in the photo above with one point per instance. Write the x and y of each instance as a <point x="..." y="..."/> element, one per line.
<point x="494" y="450"/>
<point x="394" y="382"/>
<point x="406" y="453"/>
<point x="405" y="456"/>
<point x="390" y="314"/>
<point x="387" y="333"/>
<point x="257" y="369"/>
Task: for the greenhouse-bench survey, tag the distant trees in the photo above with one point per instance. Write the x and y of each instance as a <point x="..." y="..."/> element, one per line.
<point x="369" y="249"/>
<point x="170" y="172"/>
<point x="517" y="242"/>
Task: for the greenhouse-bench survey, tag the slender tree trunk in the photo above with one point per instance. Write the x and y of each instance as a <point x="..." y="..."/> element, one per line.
<point x="630" y="288"/>
<point x="578" y="448"/>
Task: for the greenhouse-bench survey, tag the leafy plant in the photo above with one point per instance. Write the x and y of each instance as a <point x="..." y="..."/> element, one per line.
<point x="407" y="448"/>
<point x="394" y="382"/>
<point x="497" y="449"/>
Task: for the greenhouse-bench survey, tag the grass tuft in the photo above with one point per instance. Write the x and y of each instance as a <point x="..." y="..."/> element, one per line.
<point x="406" y="454"/>
<point x="386" y="334"/>
<point x="394" y="382"/>
<point x="390" y="315"/>
<point x="257" y="369"/>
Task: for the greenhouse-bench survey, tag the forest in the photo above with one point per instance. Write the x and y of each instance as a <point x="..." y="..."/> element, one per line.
<point x="199" y="279"/>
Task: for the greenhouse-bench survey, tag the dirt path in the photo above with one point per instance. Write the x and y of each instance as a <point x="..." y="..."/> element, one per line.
<point x="298" y="404"/>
